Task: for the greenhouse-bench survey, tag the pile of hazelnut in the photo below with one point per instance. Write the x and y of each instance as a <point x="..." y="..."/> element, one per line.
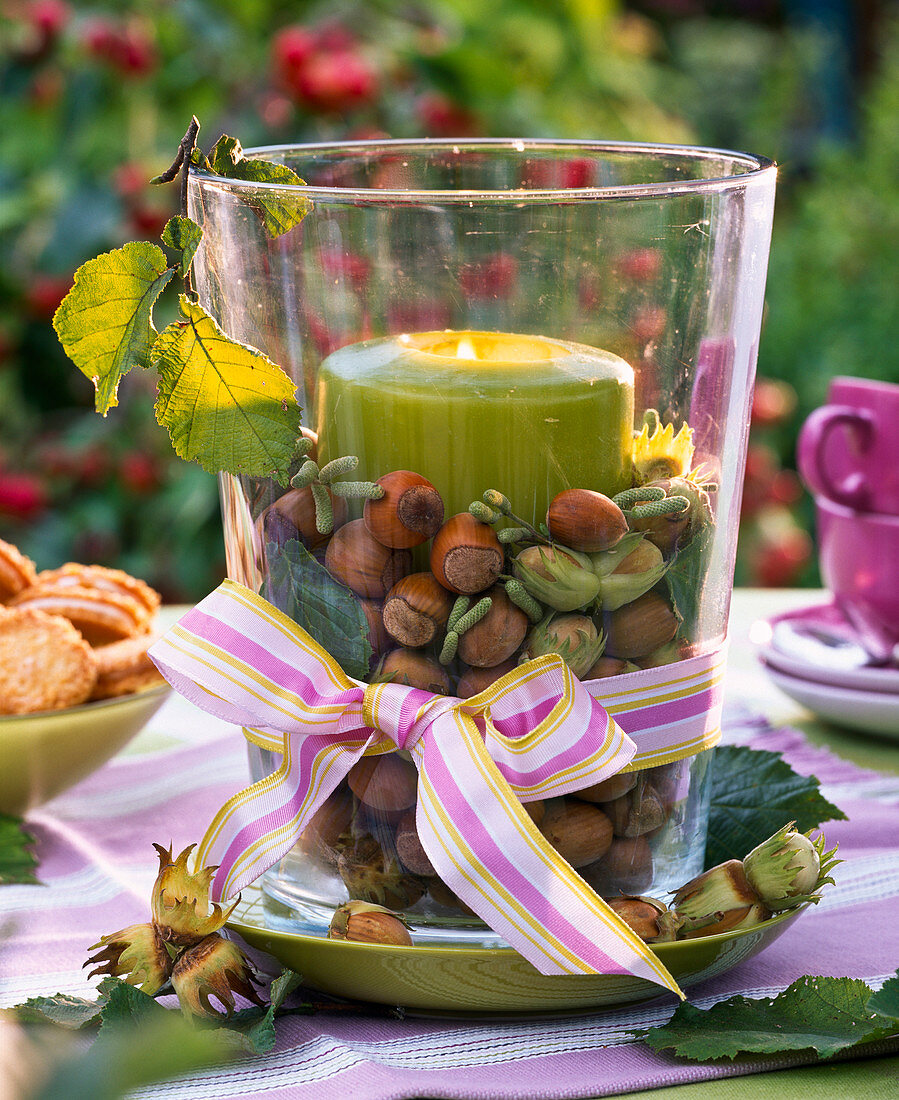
<point x="587" y="584"/>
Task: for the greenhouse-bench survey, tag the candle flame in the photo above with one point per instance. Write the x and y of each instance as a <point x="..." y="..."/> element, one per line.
<point x="466" y="349"/>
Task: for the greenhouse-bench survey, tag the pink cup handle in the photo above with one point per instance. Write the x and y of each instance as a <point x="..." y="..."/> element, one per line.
<point x="853" y="491"/>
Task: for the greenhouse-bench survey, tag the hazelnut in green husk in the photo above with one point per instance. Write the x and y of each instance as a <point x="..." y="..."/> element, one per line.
<point x="632" y="574"/>
<point x="573" y="637"/>
<point x="363" y="922"/>
<point x="789" y="868"/>
<point x="370" y="874"/>
<point x="671" y="532"/>
<point x="562" y="579"/>
<point x="136" y="954"/>
<point x="215" y="967"/>
<point x="719" y="900"/>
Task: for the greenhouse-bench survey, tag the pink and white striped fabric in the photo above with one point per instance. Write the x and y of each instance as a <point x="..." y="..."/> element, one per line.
<point x="534" y="733"/>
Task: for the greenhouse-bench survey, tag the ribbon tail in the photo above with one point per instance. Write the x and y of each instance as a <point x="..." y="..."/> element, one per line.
<point x="489" y="852"/>
<point x="259" y="825"/>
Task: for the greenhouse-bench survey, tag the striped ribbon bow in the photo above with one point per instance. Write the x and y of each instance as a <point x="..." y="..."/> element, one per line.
<point x="534" y="733"/>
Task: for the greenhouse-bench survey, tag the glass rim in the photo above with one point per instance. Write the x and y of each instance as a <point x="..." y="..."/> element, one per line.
<point x="756" y="167"/>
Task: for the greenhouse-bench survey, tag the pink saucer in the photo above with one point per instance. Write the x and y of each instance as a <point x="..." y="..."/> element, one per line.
<point x="818" y="644"/>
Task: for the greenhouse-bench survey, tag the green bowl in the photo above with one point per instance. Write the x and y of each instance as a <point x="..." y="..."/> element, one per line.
<point x="485" y="980"/>
<point x="45" y="754"/>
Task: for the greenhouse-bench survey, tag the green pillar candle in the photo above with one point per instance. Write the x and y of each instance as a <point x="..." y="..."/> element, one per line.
<point x="471" y="411"/>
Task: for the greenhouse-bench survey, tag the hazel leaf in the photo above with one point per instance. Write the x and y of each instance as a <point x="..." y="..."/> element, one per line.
<point x="309" y="595"/>
<point x="61" y="1009"/>
<point x="280" y="211"/>
<point x="823" y="1014"/>
<point x="184" y="236"/>
<point x="105" y="322"/>
<point x="17" y="860"/>
<point x="753" y="793"/>
<point x="225" y="405"/>
<point x="885" y="1002"/>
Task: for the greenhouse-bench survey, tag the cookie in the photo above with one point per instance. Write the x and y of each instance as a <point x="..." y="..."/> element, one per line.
<point x="124" y="667"/>
<point x="45" y="664"/>
<point x="73" y="574"/>
<point x="101" y="615"/>
<point x="16" y="571"/>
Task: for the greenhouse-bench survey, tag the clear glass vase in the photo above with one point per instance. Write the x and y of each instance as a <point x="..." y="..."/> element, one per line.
<point x="502" y="336"/>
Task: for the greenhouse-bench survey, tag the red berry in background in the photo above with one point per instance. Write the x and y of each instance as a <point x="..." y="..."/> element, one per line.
<point x="98" y="36"/>
<point x="779" y="563"/>
<point x="345" y="266"/>
<point x="291" y="48"/>
<point x="139" y="472"/>
<point x="495" y="276"/>
<point x="22" y="496"/>
<point x="332" y="36"/>
<point x="148" y="221"/>
<point x="773" y="402"/>
<point x="648" y="323"/>
<point x="130" y="179"/>
<point x="44" y="293"/>
<point x="417" y="315"/>
<point x="92" y="465"/>
<point x="50" y="17"/>
<point x="439" y="116"/>
<point x="640" y="264"/>
<point x="336" y="82"/>
<point x="134" y="52"/>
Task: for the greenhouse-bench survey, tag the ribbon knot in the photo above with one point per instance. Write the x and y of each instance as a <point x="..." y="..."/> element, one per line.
<point x="402" y="713"/>
<point x="534" y="733"/>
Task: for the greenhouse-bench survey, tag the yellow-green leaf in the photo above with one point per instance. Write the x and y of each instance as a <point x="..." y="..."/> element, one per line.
<point x="280" y="210"/>
<point x="105" y="322"/>
<point x="225" y="405"/>
<point x="184" y="236"/>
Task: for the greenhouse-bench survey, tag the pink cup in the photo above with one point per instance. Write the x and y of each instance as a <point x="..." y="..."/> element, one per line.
<point x="848" y="450"/>
<point x="859" y="558"/>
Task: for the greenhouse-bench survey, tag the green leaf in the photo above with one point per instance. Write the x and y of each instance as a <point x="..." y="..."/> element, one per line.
<point x="885" y="1002"/>
<point x="754" y="793"/>
<point x="308" y="594"/>
<point x="686" y="578"/>
<point x="826" y="1015"/>
<point x="105" y="322"/>
<point x="163" y="1047"/>
<point x="17" y="861"/>
<point x="283" y="986"/>
<point x="225" y="405"/>
<point x="125" y="1005"/>
<point x="279" y="211"/>
<point x="184" y="236"/>
<point x="62" y="1009"/>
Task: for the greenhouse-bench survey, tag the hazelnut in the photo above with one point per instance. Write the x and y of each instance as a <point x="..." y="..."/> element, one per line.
<point x="475" y="680"/>
<point x="415" y="609"/>
<point x="609" y="789"/>
<point x="580" y="833"/>
<point x="292" y="516"/>
<point x="378" y="638"/>
<point x="638" y="812"/>
<point x="360" y="562"/>
<point x="408" y="847"/>
<point x="410" y="511"/>
<point x="387" y="784"/>
<point x="362" y="922"/>
<point x="329" y="830"/>
<point x="414" y="669"/>
<point x="496" y="637"/>
<point x="645" y="916"/>
<point x="637" y="628"/>
<point x="585" y="520"/>
<point x="608" y="666"/>
<point x="626" y="868"/>
<point x="466" y="555"/>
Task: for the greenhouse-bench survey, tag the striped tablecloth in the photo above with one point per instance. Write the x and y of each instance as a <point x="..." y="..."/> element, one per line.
<point x="97" y="867"/>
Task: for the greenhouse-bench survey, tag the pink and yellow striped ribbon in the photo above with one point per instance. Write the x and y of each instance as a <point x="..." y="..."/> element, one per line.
<point x="535" y="732"/>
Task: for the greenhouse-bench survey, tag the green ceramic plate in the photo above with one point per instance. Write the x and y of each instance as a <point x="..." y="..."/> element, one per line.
<point x="483" y="980"/>
<point x="45" y="754"/>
